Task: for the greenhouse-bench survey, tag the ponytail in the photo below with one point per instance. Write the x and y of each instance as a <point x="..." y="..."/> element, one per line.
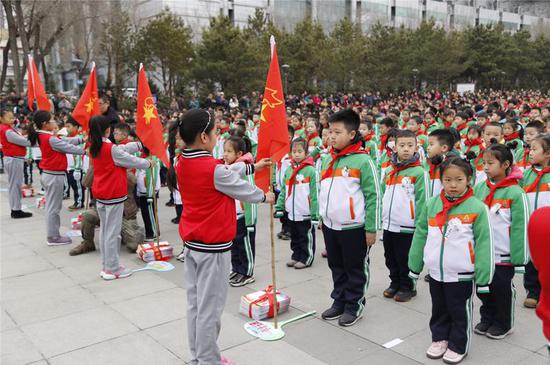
<point x="40" y="117"/>
<point x="98" y="125"/>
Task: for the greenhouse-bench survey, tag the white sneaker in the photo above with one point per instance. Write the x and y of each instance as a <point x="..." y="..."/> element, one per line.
<point x="437" y="349"/>
<point x="121" y="273"/>
<point x="58" y="241"/>
<point x="452" y="357"/>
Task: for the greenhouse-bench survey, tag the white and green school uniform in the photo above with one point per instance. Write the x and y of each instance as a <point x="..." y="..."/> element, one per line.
<point x="145" y="192"/>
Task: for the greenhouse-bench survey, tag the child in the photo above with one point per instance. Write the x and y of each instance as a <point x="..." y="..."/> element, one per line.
<point x="54" y="166"/>
<point x="298" y="198"/>
<point x="482" y="119"/>
<point x="207" y="226"/>
<point x="146" y="178"/>
<point x="453" y="239"/>
<point x="431" y="122"/>
<point x="243" y="251"/>
<point x="532" y="130"/>
<point x="349" y="203"/>
<point x="14" y="146"/>
<point x="74" y="167"/>
<point x="110" y="189"/>
<point x="27" y="169"/>
<point x="406" y="189"/>
<point x="369" y="139"/>
<point x="121" y="133"/>
<point x="415" y="125"/>
<point x="312" y="132"/>
<point x="473" y="142"/>
<point x="385" y="158"/>
<point x="492" y="133"/>
<point x="222" y="135"/>
<point x="513" y="135"/>
<point x="508" y="213"/>
<point x="461" y="124"/>
<point x="386" y="125"/>
<point x="536" y="183"/>
<point x="280" y="170"/>
<point x="298" y="125"/>
<point x="440" y="144"/>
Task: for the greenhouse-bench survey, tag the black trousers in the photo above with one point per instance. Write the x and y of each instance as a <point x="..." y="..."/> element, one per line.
<point x="148" y="215"/>
<point x="348" y="260"/>
<point x="243" y="250"/>
<point x="27" y="172"/>
<point x="396" y="252"/>
<point x="179" y="210"/>
<point x="452" y="307"/>
<point x="74" y="178"/>
<point x="497" y="307"/>
<point x="302" y="241"/>
<point x="284" y="219"/>
<point x="66" y="186"/>
<point x="531" y="281"/>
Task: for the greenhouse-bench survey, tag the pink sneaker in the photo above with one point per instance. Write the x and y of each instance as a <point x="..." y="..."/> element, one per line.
<point x="437" y="349"/>
<point x="121" y="273"/>
<point x="452" y="357"/>
<point x="226" y="361"/>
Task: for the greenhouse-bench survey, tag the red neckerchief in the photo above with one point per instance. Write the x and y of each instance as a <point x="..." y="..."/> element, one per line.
<point x="393" y="173"/>
<point x="352" y="148"/>
<point x="448" y="124"/>
<point x="311" y="136"/>
<point x="126" y="141"/>
<point x="419" y="133"/>
<point x="493" y="188"/>
<point x="383" y="140"/>
<point x="540" y="173"/>
<point x="295" y="169"/>
<point x="462" y="127"/>
<point x="73" y="135"/>
<point x="368" y="137"/>
<point x="432" y="169"/>
<point x="296" y="130"/>
<point x="478" y="158"/>
<point x="223" y="130"/>
<point x="512" y="136"/>
<point x="525" y="157"/>
<point x="472" y="142"/>
<point x="441" y="217"/>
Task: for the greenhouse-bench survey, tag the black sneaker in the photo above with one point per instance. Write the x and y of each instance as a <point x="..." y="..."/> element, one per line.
<point x="16" y="214"/>
<point x="427" y="278"/>
<point x="404" y="295"/>
<point x="497" y="333"/>
<point x="232" y="275"/>
<point x="241" y="280"/>
<point x="481" y="328"/>
<point x="348" y="319"/>
<point x="285" y="236"/>
<point x="236" y="278"/>
<point x="170" y="203"/>
<point x="332" y="313"/>
<point x="390" y="292"/>
<point x="175" y="220"/>
<point x="181" y="255"/>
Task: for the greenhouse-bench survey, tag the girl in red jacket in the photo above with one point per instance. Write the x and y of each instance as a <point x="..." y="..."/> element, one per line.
<point x="53" y="165"/>
<point x="110" y="189"/>
<point x="208" y="226"/>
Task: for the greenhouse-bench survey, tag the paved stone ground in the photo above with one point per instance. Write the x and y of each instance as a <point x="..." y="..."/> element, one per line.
<point x="56" y="310"/>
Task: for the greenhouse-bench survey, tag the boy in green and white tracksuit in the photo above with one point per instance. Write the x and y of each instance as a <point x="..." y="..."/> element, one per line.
<point x="145" y="193"/>
<point x="298" y="197"/>
<point x="509" y="214"/>
<point x="456" y="246"/>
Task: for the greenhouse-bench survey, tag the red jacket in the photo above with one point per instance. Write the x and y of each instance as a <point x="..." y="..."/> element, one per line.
<point x="208" y="222"/>
<point x="110" y="185"/>
<point x="51" y="159"/>
<point x="10" y="149"/>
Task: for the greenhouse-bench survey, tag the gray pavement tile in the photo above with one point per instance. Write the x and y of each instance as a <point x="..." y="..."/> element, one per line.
<point x="384" y="321"/>
<point x="24" y="265"/>
<point x="52" y="304"/>
<point x="131" y="349"/>
<point x="139" y="284"/>
<point x="527" y="333"/>
<point x="6" y="321"/>
<point x="16" y="349"/>
<point x="21" y="287"/>
<point x="310" y="295"/>
<point x="536" y="359"/>
<point x="544" y="351"/>
<point x="269" y="353"/>
<point x="154" y="309"/>
<point x="387" y="357"/>
<point x="77" y="330"/>
<point x="338" y="346"/>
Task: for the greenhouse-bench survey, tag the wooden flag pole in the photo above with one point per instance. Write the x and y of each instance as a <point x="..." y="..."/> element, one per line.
<point x="272" y="234"/>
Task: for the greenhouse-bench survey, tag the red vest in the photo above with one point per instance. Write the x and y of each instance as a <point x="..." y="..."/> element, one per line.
<point x="51" y="160"/>
<point x="208" y="217"/>
<point x="110" y="181"/>
<point x="10" y="149"/>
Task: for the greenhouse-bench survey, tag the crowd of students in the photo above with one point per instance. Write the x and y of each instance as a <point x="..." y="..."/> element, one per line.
<point x="449" y="181"/>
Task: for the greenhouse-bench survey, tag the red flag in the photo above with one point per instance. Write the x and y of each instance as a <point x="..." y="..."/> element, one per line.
<point x="88" y="105"/>
<point x="35" y="89"/>
<point x="148" y="126"/>
<point x="273" y="141"/>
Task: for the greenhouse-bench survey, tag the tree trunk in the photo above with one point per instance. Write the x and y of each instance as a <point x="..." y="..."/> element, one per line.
<point x="12" y="32"/>
<point x="46" y="77"/>
<point x="22" y="35"/>
<point x="5" y="53"/>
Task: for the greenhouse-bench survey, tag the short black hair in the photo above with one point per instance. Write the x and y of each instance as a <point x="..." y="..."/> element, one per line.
<point x="444" y="137"/>
<point x="123" y="127"/>
<point x="349" y="117"/>
<point x="492" y="124"/>
<point x="405" y="133"/>
<point x="71" y="120"/>
<point x="388" y="122"/>
<point x="475" y="127"/>
<point x="536" y="125"/>
<point x="301" y="141"/>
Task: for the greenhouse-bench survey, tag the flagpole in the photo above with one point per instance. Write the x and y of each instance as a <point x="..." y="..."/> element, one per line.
<point x="272" y="235"/>
<point x="153" y="179"/>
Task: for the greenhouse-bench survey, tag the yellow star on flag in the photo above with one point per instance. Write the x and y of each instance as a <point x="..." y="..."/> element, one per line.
<point x="90" y="105"/>
<point x="149" y="110"/>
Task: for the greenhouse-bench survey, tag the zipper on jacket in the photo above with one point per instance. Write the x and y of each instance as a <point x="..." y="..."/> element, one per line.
<point x="391" y="204"/>
<point x="330" y="186"/>
<point x="441" y="253"/>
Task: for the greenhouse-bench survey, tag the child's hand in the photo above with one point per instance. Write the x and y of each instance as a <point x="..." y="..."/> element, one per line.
<point x="263" y="163"/>
<point x="371" y="238"/>
<point x="269" y="198"/>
